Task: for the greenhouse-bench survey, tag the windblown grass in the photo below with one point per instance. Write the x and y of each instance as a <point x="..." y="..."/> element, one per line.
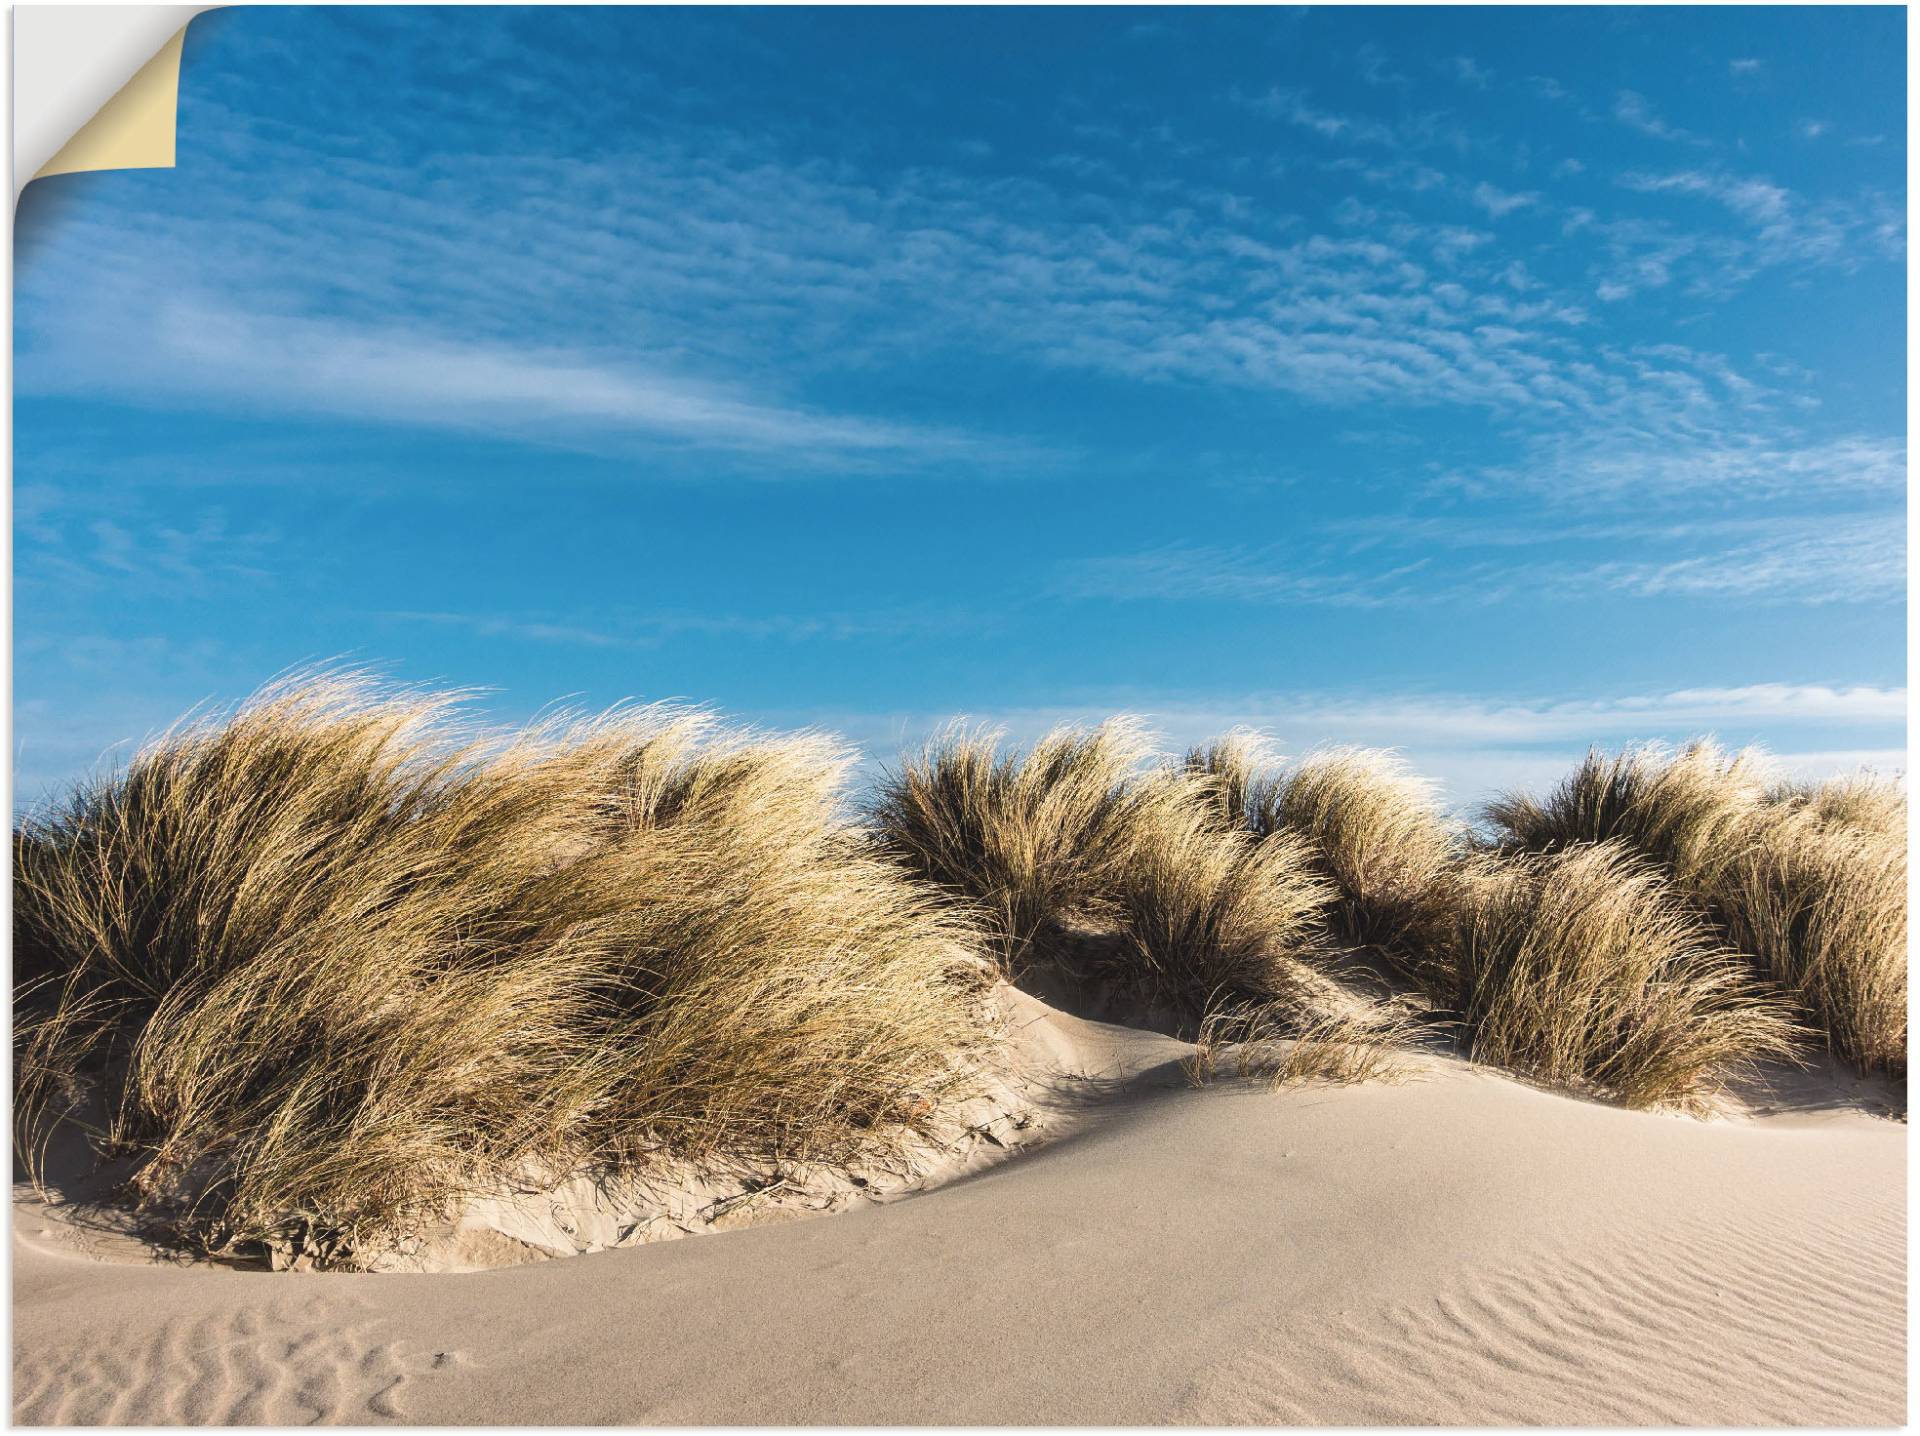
<point x="1209" y="913"/>
<point x="1581" y="969"/>
<point x="1686" y="810"/>
<point x="1029" y="839"/>
<point x="1089" y="827"/>
<point x="1272" y="1042"/>
<point x="328" y="962"/>
<point x="1374" y="828"/>
<point x="1863" y="801"/>
<point x="1807" y="880"/>
<point x="1378" y="829"/>
<point x="331" y="961"/>
<point x="1821" y="907"/>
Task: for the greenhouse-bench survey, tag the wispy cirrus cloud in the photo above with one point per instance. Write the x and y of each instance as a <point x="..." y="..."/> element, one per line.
<point x="650" y="629"/>
<point x="1819" y="560"/>
<point x="1376" y="66"/>
<point x="1293" y="107"/>
<point x="576" y="397"/>
<point x="1468" y="71"/>
<point x="1776" y="228"/>
<point x="1711" y="463"/>
<point x="1636" y="112"/>
<point x="67" y="542"/>
<point x="1498" y="202"/>
<point x="1242" y="575"/>
<point x="1783" y="227"/>
<point x="715" y="297"/>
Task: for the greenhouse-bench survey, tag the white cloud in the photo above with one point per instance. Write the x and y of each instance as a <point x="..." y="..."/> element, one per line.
<point x="1498" y="202"/>
<point x="1755" y="199"/>
<point x="1379" y="564"/>
<point x="1469" y="73"/>
<point x="1610" y="467"/>
<point x="1241" y="575"/>
<point x="1636" y="112"/>
<point x="1826" y="560"/>
<point x="1376" y="67"/>
<point x="1291" y="105"/>
<point x="407" y="376"/>
<point x="640" y="630"/>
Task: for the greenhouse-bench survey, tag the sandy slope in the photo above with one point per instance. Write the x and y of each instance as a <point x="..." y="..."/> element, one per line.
<point x="1461" y="1249"/>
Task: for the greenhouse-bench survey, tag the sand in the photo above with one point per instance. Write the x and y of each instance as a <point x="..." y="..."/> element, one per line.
<point x="1458" y="1249"/>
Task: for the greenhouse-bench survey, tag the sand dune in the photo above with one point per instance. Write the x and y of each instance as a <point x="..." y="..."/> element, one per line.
<point x="1457" y="1249"/>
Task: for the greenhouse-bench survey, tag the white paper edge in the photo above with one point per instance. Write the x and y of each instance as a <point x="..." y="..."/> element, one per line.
<point x="68" y="61"/>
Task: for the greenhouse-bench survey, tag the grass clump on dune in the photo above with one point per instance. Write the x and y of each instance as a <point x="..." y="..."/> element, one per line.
<point x="1581" y="969"/>
<point x="1373" y="828"/>
<point x="1209" y="914"/>
<point x="1807" y="880"/>
<point x="1090" y="828"/>
<point x="1686" y="810"/>
<point x="1029" y="838"/>
<point x="1821" y="908"/>
<point x="332" y="961"/>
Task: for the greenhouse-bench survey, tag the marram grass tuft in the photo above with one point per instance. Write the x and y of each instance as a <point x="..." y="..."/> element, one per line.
<point x="331" y="961"/>
<point x="1808" y="881"/>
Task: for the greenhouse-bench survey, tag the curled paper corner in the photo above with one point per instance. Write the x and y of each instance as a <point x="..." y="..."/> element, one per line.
<point x="96" y="87"/>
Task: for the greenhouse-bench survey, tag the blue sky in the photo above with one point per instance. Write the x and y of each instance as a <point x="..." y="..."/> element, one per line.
<point x="1481" y="382"/>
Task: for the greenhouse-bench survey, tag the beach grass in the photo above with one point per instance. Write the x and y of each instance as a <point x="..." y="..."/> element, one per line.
<point x="331" y="960"/>
<point x="1807" y="881"/>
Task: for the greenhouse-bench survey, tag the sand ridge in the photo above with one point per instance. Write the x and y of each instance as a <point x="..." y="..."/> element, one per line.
<point x="1461" y="1249"/>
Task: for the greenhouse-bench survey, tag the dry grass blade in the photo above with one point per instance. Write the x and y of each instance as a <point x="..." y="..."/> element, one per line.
<point x="1864" y="801"/>
<point x="1279" y="1044"/>
<point x="1084" y="829"/>
<point x="1209" y="911"/>
<point x="1237" y="772"/>
<point x="1684" y="809"/>
<point x="1821" y="906"/>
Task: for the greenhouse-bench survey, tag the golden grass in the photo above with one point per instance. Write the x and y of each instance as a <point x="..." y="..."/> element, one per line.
<point x="1581" y="969"/>
<point x="1821" y="907"/>
<point x="1274" y="1043"/>
<point x="1208" y="913"/>
<point x="1807" y="880"/>
<point x="1865" y="801"/>
<point x="1092" y="828"/>
<point x="1685" y="809"/>
<point x="1378" y="829"/>
<point x="332" y="961"/>
<point x="1028" y="839"/>
<point x="1374" y="828"/>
